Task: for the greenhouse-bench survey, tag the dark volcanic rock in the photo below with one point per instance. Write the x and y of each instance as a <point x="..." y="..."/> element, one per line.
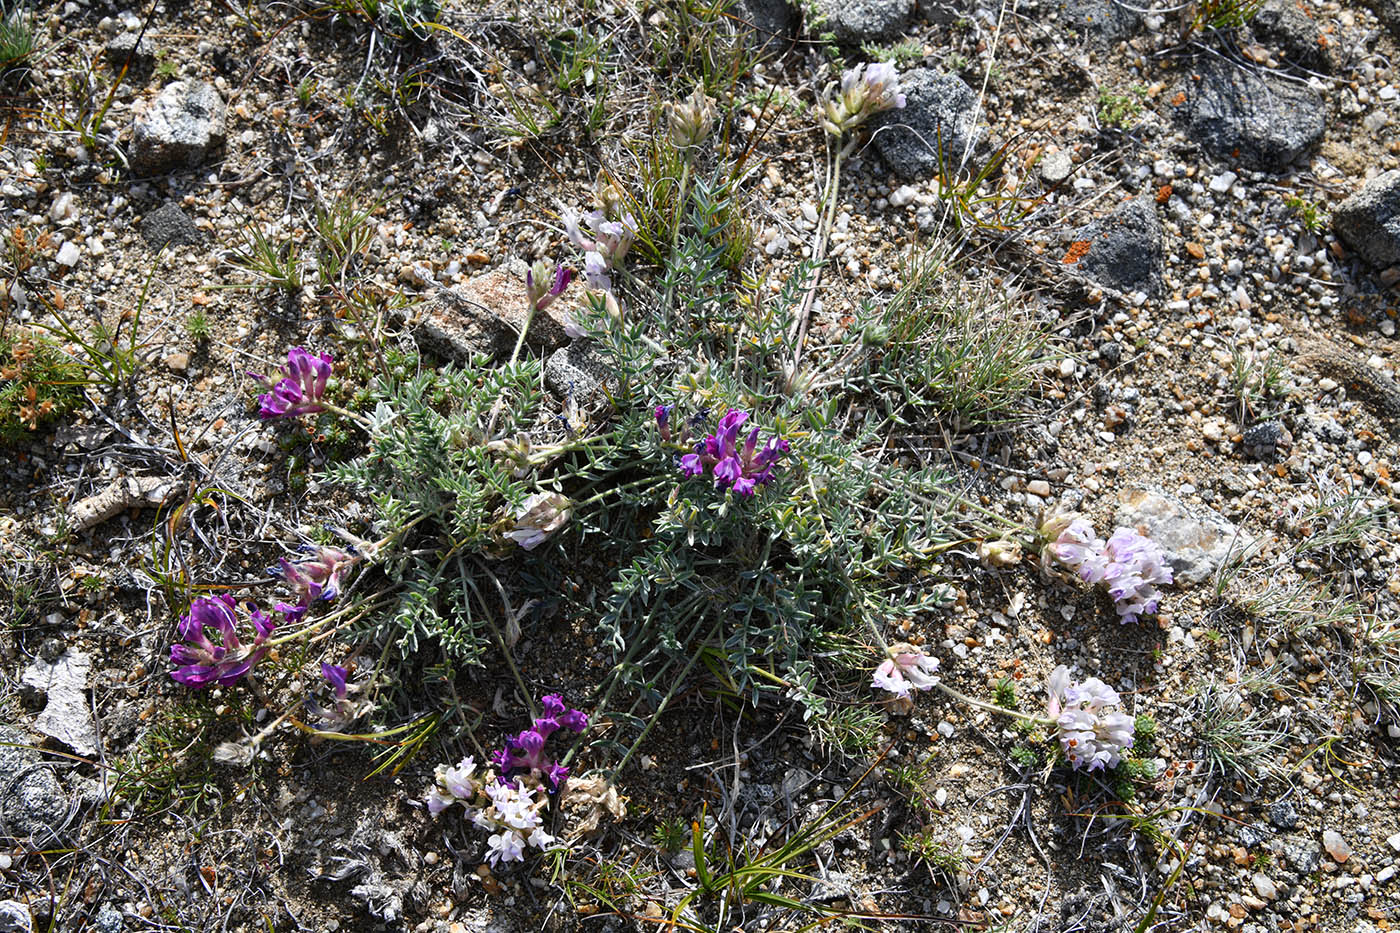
<point x="940" y="111"/>
<point x="168" y="224"/>
<point x="1369" y="221"/>
<point x="1282" y="26"/>
<point x="1262" y="122"/>
<point x="1104" y="20"/>
<point x="1122" y="250"/>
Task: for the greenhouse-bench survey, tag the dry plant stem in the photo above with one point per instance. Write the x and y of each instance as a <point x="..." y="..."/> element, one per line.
<point x="514" y="355"/>
<point x="804" y="313"/>
<point x="992" y="708"/>
<point x="359" y="419"/>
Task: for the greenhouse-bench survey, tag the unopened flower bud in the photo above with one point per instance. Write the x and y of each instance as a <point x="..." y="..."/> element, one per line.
<point x="689" y="121"/>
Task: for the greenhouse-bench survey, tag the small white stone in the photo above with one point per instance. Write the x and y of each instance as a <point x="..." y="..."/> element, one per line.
<point x="62" y="208"/>
<point x="1038" y="487"/>
<point x="1394" y="842"/>
<point x="945" y="729"/>
<point x="1067" y="367"/>
<point x="1265" y="885"/>
<point x="903" y="195"/>
<point x="68" y="254"/>
<point x="1221" y="183"/>
<point x="940" y="796"/>
<point x="809" y="211"/>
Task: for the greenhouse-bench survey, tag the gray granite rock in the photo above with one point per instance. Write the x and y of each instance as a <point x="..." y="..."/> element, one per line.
<point x="179" y="129"/>
<point x="1283" y="814"/>
<point x="168" y="225"/>
<point x="774" y="24"/>
<point x="857" y="21"/>
<point x="1195" y="539"/>
<point x="1239" y="115"/>
<point x="108" y="920"/>
<point x="1122" y="250"/>
<point x="939" y="113"/>
<point x="32" y="799"/>
<point x="1369" y="221"/>
<point x="1303" y="855"/>
<point x="1388" y="12"/>
<point x="578" y="371"/>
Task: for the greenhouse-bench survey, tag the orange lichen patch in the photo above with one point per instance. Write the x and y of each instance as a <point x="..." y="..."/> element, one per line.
<point x="1076" y="252"/>
<point x="1163" y="193"/>
<point x="1179" y="99"/>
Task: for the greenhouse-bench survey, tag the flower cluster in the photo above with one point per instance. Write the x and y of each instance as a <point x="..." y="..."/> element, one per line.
<point x="1128" y="565"/>
<point x="689" y="121"/>
<point x="524" y="753"/>
<point x="508" y="810"/>
<point x="1093" y="733"/>
<point x="907" y="668"/>
<point x="318" y="575"/>
<point x="604" y="244"/>
<point x="865" y="91"/>
<point x="543" y="285"/>
<point x="301" y="388"/>
<point x="213" y="653"/>
<point x="741" y="467"/>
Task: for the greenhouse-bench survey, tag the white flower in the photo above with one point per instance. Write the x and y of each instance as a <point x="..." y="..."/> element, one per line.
<point x="1092" y="732"/>
<point x="539" y="517"/>
<point x="505" y="847"/>
<point x="438" y="800"/>
<point x="458" y="780"/>
<point x="540" y="839"/>
<point x="907" y="669"/>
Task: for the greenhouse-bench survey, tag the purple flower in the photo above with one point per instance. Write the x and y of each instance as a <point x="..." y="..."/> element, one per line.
<point x="317" y="576"/>
<point x="213" y="652"/>
<point x="525" y="751"/>
<point x="542" y="287"/>
<point x="742" y="468"/>
<point x="1129" y="566"/>
<point x="663" y="421"/>
<point x="301" y="388"/>
<point x="335" y="675"/>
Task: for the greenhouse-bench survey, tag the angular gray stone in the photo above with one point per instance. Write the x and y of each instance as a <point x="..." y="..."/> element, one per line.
<point x="179" y="129"/>
<point x="167" y="225"/>
<point x="856" y="21"/>
<point x="1104" y="20"/>
<point x="484" y="316"/>
<point x="108" y="920"/>
<point x="1195" y="539"/>
<point x="1238" y="115"/>
<point x="124" y="51"/>
<point x="1369" y="221"/>
<point x="578" y="371"/>
<point x="1303" y="854"/>
<point x="1283" y="814"/>
<point x="1122" y="250"/>
<point x="66" y="714"/>
<point x="939" y="111"/>
<point x="1056" y="167"/>
<point x="32" y="799"/>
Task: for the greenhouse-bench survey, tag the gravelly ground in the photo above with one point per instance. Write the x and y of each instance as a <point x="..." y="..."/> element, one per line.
<point x="1140" y="393"/>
